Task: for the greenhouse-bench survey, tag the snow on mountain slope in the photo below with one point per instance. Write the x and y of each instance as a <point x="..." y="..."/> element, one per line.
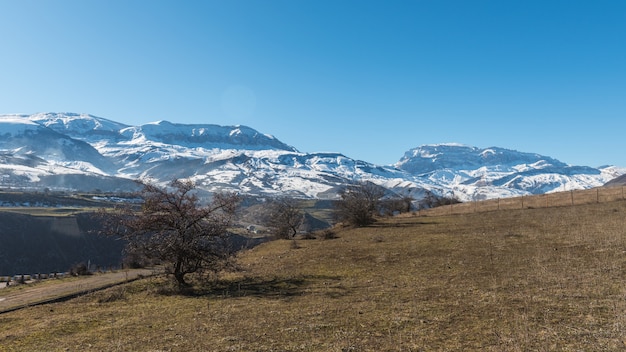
<point x="80" y="151"/>
<point x="429" y="158"/>
<point x="21" y="136"/>
<point x="14" y="125"/>
<point x="619" y="180"/>
<point x="94" y="129"/>
<point x="473" y="173"/>
<point x="77" y="125"/>
<point x="222" y="137"/>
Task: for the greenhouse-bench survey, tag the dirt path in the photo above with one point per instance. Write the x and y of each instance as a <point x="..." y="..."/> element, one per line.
<point x="56" y="290"/>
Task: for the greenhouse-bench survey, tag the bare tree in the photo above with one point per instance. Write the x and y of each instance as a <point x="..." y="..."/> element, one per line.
<point x="431" y="200"/>
<point x="283" y="217"/>
<point x="359" y="203"/>
<point x="173" y="228"/>
<point x="396" y="205"/>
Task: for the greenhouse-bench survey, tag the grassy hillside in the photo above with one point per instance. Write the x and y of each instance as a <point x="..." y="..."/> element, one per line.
<point x="515" y="280"/>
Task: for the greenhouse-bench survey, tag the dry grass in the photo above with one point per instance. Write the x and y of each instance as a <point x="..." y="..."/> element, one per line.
<point x="517" y="280"/>
<point x="556" y="199"/>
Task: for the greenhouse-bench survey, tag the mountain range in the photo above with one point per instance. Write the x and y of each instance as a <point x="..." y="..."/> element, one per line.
<point x="81" y="152"/>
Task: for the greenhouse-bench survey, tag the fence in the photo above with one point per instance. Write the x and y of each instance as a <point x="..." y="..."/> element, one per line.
<point x="558" y="199"/>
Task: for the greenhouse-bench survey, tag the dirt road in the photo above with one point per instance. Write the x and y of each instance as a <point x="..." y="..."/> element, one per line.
<point x="55" y="290"/>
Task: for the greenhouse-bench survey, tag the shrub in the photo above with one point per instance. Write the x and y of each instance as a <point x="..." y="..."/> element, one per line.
<point x="79" y="269"/>
<point x="328" y="234"/>
<point x="308" y="236"/>
<point x="359" y="203"/>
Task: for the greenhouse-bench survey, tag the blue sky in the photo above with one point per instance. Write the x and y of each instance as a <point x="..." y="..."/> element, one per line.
<point x="369" y="79"/>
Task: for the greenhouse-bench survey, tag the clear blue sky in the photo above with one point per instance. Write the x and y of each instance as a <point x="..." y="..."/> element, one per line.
<point x="369" y="79"/>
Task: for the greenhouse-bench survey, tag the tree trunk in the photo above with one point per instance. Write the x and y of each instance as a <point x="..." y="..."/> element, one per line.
<point x="179" y="275"/>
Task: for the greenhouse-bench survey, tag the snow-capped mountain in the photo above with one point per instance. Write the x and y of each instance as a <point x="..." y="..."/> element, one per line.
<point x="473" y="173"/>
<point x="85" y="152"/>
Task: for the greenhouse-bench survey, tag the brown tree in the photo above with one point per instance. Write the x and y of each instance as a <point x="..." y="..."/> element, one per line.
<point x="396" y="204"/>
<point x="359" y="203"/>
<point x="432" y="200"/>
<point x="173" y="228"/>
<point x="283" y="217"/>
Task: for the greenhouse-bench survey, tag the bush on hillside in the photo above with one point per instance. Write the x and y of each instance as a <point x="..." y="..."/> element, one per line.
<point x="79" y="269"/>
<point x="359" y="203"/>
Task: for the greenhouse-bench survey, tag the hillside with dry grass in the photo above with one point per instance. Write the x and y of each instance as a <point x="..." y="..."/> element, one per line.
<point x="509" y="280"/>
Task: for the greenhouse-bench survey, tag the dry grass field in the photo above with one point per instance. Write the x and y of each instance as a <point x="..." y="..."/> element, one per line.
<point x="548" y="279"/>
<point x="547" y="200"/>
